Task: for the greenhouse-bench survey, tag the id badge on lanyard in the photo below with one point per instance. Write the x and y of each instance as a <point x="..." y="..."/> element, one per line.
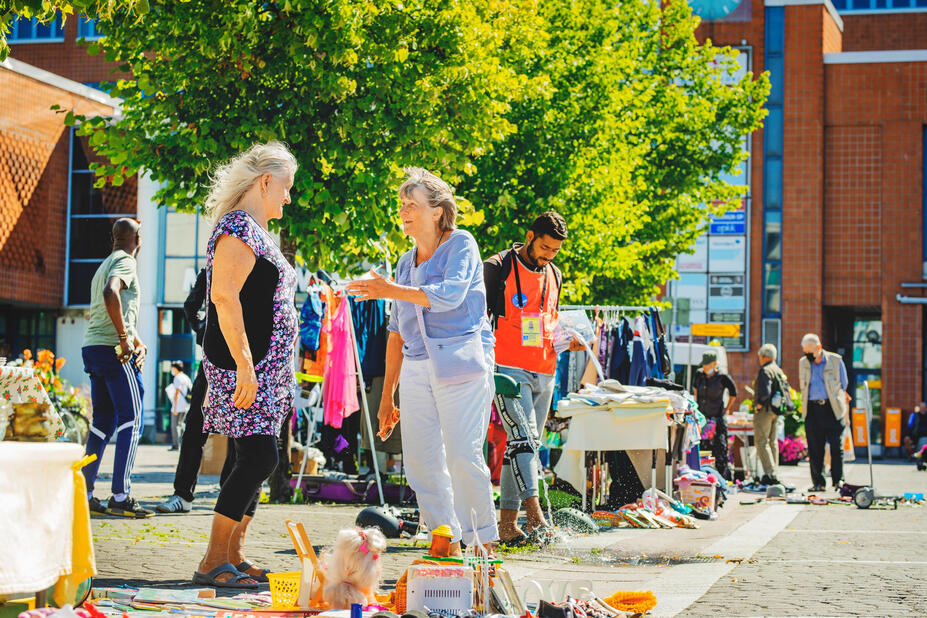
<point x="532" y="335"/>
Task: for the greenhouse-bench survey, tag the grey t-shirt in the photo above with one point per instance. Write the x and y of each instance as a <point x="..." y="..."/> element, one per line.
<point x="101" y="330"/>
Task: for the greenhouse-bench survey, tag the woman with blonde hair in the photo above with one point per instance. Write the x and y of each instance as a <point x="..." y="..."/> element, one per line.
<point x="251" y="328"/>
<point x="440" y="352"/>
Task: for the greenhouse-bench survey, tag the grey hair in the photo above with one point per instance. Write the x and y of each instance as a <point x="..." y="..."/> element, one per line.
<point x="811" y="338"/>
<point x="768" y="350"/>
<point x="235" y="177"/>
<point x="438" y="193"/>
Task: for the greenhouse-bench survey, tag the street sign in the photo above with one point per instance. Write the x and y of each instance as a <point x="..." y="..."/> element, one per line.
<point x="716" y="330"/>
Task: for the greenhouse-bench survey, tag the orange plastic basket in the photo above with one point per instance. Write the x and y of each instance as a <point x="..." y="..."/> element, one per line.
<point x="284" y="589"/>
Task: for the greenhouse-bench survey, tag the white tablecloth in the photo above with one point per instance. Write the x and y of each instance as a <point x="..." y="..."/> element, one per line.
<point x="624" y="427"/>
<point x="36" y="513"/>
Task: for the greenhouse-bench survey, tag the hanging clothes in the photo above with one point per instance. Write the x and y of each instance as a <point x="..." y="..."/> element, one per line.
<point x="370" y="329"/>
<point x="339" y="388"/>
<point x="310" y="321"/>
<point x="619" y="367"/>
<point x="314" y="361"/>
<point x="641" y="363"/>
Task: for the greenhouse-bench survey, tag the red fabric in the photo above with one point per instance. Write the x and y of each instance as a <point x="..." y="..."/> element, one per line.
<point x="497" y="441"/>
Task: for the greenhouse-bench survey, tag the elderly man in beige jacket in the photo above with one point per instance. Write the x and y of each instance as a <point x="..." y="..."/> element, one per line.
<point x="824" y="405"/>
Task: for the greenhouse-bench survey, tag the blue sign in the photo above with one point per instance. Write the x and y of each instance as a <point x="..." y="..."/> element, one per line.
<point x="727" y="229"/>
<point x="735" y="216"/>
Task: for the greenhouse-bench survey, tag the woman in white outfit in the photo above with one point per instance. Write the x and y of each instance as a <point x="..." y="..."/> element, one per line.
<point x="444" y="373"/>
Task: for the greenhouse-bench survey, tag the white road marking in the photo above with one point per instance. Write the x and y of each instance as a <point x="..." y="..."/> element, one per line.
<point x="680" y="586"/>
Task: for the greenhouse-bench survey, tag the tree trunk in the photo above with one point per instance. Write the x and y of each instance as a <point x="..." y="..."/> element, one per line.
<point x="279" y="481"/>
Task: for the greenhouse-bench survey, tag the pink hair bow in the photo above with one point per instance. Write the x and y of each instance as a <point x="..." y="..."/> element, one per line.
<point x="363" y="547"/>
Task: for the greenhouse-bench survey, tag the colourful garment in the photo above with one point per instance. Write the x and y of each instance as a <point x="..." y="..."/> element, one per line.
<point x="275" y="374"/>
<point x="339" y="389"/>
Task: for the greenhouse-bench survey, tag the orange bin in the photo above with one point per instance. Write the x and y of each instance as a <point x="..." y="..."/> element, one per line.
<point x="892" y="427"/>
<point x="860" y="431"/>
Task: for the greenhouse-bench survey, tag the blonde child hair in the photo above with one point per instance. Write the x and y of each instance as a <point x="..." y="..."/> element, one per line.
<point x="352" y="567"/>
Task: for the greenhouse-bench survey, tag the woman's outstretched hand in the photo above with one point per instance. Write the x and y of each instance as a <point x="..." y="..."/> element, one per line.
<point x="371" y="289"/>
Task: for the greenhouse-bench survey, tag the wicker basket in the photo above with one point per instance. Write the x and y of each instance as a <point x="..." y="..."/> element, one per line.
<point x="284" y="589"/>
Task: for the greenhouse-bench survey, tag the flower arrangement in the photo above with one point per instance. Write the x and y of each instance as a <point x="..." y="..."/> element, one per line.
<point x="62" y="393"/>
<point x="792" y="450"/>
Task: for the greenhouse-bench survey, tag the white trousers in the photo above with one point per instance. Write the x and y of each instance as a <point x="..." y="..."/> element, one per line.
<point x="443" y="431"/>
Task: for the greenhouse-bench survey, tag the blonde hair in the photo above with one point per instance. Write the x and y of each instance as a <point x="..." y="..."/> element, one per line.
<point x="235" y="177"/>
<point x="352" y="567"/>
<point x="438" y="193"/>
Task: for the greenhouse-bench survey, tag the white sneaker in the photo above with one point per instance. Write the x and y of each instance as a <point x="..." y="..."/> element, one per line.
<point x="174" y="504"/>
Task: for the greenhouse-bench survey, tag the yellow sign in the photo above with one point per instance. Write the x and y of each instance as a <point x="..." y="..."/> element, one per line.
<point x="716" y="330"/>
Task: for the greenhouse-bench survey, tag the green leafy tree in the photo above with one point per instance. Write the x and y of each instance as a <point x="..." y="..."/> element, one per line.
<point x="628" y="134"/>
<point x="47" y="10"/>
<point x="358" y="89"/>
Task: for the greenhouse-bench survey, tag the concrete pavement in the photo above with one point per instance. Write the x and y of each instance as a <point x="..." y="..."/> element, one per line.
<point x="755" y="560"/>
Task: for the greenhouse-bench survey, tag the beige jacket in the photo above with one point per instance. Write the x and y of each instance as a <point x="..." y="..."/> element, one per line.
<point x="835" y="392"/>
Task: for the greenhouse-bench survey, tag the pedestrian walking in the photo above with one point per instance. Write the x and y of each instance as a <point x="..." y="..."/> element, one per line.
<point x="113" y="357"/>
<point x="709" y="385"/>
<point x="193" y="438"/>
<point x="768" y="383"/>
<point x="522" y="294"/>
<point x="440" y="352"/>
<point x="248" y="346"/>
<point x="824" y="407"/>
<point x="915" y="435"/>
<point x="180" y="387"/>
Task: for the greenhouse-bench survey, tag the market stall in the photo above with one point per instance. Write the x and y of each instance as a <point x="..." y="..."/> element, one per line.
<point x="44" y="499"/>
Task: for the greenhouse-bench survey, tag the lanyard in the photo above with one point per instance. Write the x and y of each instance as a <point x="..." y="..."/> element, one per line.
<point x="518" y="284"/>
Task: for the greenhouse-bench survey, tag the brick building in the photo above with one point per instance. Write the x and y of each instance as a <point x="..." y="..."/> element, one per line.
<point x="836" y="207"/>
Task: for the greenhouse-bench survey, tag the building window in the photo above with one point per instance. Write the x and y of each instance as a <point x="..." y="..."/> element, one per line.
<point x="186" y="236"/>
<point x="879" y="6"/>
<point x="87" y="29"/>
<point x="33" y="31"/>
<point x="91" y="214"/>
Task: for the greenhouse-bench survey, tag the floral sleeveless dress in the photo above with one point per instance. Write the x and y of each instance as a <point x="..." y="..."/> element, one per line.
<point x="275" y="372"/>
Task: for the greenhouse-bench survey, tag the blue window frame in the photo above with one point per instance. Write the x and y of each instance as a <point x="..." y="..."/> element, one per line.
<point x="880" y="6"/>
<point x="89" y="227"/>
<point x="33" y="31"/>
<point x="87" y="28"/>
<point x="772" y="163"/>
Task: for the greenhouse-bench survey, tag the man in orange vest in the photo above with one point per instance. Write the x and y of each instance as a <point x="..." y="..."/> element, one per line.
<point x="523" y="293"/>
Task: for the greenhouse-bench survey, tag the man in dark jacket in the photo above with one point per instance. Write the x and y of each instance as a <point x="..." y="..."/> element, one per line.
<point x="191" y="445"/>
<point x="765" y="418"/>
<point x="709" y="385"/>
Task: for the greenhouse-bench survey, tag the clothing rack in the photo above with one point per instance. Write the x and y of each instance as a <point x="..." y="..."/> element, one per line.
<point x="338" y="286"/>
<point x="604" y="308"/>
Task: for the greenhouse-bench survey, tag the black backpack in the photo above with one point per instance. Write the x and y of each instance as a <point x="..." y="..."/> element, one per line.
<point x="496" y="301"/>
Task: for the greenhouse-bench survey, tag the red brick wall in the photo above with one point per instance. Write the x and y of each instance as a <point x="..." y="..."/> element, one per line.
<point x="803" y="179"/>
<point x="885" y="32"/>
<point x="853" y="215"/>
<point x="33" y="188"/>
<point x="67" y="58"/>
<point x="902" y="199"/>
<point x="887" y="103"/>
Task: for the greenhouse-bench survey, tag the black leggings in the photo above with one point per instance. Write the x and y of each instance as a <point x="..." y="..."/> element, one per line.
<point x="255" y="460"/>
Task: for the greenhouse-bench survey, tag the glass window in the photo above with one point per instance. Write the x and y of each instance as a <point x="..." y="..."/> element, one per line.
<point x="181" y="234"/>
<point x="867" y="344"/>
<point x="179" y="277"/>
<point x="773" y="235"/>
<point x="87" y="28"/>
<point x="772" y="285"/>
<point x="32" y="30"/>
<point x="92" y="213"/>
<point x="80" y="274"/>
<point x="773" y="193"/>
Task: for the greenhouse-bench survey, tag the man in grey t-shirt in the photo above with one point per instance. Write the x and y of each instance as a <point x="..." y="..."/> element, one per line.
<point x="113" y="356"/>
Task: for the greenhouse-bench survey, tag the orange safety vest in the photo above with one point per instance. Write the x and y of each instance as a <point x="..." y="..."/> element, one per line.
<point x="539" y="294"/>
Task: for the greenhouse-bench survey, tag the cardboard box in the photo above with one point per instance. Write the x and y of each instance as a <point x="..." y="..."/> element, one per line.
<point x="698" y="494"/>
<point x="214" y="454"/>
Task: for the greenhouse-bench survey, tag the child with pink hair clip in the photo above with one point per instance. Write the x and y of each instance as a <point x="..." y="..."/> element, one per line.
<point x="352" y="568"/>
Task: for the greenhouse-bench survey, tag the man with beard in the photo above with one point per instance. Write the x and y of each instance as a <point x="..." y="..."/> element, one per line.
<point x="523" y="294"/>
